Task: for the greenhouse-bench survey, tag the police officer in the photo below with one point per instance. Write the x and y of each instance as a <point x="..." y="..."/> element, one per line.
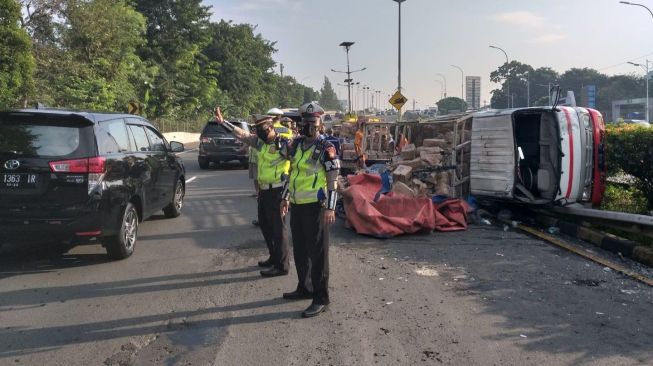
<point x="281" y="130"/>
<point x="272" y="172"/>
<point x="311" y="196"/>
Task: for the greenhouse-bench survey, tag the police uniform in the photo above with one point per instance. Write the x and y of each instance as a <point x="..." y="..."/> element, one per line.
<point x="314" y="169"/>
<point x="272" y="171"/>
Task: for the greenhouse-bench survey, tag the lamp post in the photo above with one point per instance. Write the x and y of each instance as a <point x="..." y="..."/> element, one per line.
<point x="548" y="89"/>
<point x="636" y="4"/>
<point x="508" y="76"/>
<point x="445" y="83"/>
<point x="347" y="46"/>
<point x="462" y="88"/>
<point x="399" y="56"/>
<point x="647" y="76"/>
<point x="441" y="87"/>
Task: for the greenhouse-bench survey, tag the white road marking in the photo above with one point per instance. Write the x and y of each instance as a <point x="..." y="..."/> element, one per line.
<point x="190" y="180"/>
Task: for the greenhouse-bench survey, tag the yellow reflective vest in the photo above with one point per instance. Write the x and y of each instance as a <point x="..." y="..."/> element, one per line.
<point x="283" y="131"/>
<point x="272" y="166"/>
<point x="307" y="177"/>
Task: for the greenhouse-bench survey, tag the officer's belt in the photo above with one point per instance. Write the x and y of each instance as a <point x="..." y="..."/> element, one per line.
<point x="265" y="187"/>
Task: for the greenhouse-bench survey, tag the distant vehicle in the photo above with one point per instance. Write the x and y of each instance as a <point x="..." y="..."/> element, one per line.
<point x="75" y="176"/>
<point x="339" y="115"/>
<point x="327" y="118"/>
<point x="218" y="145"/>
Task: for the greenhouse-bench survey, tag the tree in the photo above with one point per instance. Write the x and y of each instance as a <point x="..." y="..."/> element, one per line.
<point x="245" y="63"/>
<point x="451" y="105"/>
<point x="328" y="97"/>
<point x="517" y="75"/>
<point x="184" y="83"/>
<point x="16" y="60"/>
<point x="93" y="62"/>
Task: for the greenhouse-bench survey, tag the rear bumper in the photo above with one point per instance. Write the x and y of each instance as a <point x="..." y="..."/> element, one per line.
<point x="57" y="229"/>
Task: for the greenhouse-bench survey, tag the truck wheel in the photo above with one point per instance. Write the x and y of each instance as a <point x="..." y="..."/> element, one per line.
<point x="122" y="245"/>
<point x="204" y="164"/>
<point x="173" y="209"/>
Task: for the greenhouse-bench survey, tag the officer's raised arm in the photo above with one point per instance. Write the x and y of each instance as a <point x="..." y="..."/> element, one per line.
<point x="239" y="133"/>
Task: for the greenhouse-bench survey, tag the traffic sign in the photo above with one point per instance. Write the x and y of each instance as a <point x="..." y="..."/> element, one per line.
<point x="134" y="108"/>
<point x="398" y="100"/>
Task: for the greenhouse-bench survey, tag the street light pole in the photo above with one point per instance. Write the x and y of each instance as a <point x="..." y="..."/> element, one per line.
<point x="508" y="70"/>
<point x="445" y="83"/>
<point x="399" y="56"/>
<point x="647" y="76"/>
<point x="636" y="4"/>
<point x="462" y="88"/>
<point x="441" y="87"/>
<point x="548" y="89"/>
<point x="347" y="46"/>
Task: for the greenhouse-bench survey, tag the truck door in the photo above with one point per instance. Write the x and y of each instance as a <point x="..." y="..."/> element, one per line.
<point x="493" y="155"/>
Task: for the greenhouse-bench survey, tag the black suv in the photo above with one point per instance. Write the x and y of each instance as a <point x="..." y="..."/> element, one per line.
<point x="217" y="145"/>
<point x="75" y="176"/>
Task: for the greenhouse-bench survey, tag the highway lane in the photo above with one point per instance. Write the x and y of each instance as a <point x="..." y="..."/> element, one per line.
<point x="191" y="294"/>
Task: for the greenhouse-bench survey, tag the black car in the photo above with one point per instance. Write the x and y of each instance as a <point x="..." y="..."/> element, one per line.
<point x="75" y="176"/>
<point x="218" y="145"/>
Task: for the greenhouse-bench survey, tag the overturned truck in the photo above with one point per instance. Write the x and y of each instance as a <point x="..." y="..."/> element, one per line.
<point x="531" y="155"/>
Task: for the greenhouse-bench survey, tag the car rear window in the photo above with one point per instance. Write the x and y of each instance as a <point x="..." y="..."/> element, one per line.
<point x="213" y="128"/>
<point x="34" y="138"/>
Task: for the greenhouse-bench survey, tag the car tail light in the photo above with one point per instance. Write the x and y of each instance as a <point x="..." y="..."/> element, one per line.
<point x="205" y="140"/>
<point x="94" y="167"/>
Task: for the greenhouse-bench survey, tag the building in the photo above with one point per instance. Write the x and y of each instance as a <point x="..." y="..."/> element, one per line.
<point x="473" y="92"/>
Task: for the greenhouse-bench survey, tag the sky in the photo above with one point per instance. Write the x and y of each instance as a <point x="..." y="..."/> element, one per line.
<point x="599" y="34"/>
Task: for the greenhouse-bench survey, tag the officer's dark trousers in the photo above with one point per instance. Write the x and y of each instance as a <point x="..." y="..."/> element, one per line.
<point x="273" y="226"/>
<point x="311" y="250"/>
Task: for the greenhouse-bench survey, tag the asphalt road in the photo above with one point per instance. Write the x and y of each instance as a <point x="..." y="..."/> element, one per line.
<point x="191" y="295"/>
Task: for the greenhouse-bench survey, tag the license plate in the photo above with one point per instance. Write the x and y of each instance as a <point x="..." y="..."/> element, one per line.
<point x="8" y="180"/>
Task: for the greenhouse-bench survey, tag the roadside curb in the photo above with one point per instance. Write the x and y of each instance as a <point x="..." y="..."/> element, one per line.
<point x="627" y="248"/>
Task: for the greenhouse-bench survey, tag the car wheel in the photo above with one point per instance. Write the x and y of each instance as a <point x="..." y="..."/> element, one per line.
<point x="174" y="208"/>
<point x="245" y="165"/>
<point x="122" y="245"/>
<point x="204" y="164"/>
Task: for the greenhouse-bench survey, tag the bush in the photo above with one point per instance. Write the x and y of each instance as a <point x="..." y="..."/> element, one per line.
<point x="624" y="199"/>
<point x="630" y="150"/>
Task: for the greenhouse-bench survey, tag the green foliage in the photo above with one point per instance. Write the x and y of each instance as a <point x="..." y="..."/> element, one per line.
<point x="609" y="88"/>
<point x="328" y="97"/>
<point x="16" y="60"/>
<point x="630" y="150"/>
<point x="245" y="60"/>
<point x="624" y="199"/>
<point x="451" y="105"/>
<point x="166" y="54"/>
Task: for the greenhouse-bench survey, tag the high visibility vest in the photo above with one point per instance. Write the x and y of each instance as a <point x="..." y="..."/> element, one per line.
<point x="283" y="131"/>
<point x="308" y="176"/>
<point x="272" y="166"/>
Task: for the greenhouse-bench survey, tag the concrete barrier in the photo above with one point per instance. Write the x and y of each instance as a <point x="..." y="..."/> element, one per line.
<point x="183" y="137"/>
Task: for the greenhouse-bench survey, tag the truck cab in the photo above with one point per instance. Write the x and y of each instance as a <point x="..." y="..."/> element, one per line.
<point x="539" y="155"/>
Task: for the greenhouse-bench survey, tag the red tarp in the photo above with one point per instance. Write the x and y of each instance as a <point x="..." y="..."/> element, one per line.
<point x="396" y="214"/>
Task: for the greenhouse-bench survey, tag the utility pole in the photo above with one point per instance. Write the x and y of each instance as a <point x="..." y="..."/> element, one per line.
<point x="508" y="75"/>
<point x="462" y="88"/>
<point x="445" y="83"/>
<point x="281" y="67"/>
<point x="647" y="76"/>
<point x="347" y="46"/>
<point x="399" y="56"/>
